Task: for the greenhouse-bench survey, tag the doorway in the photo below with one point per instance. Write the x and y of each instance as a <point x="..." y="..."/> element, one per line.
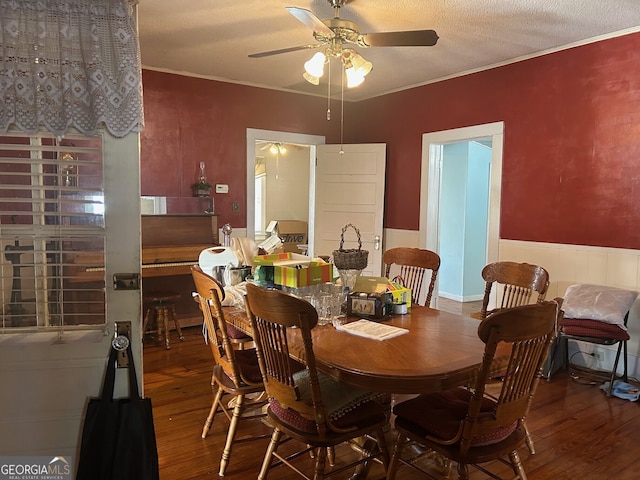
<point x="433" y="194"/>
<point x="256" y="141"/>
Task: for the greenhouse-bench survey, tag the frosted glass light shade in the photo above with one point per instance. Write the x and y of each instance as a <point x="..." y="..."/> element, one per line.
<point x="315" y="66"/>
<point x="311" y="79"/>
<point x="353" y="78"/>
<point x="362" y="66"/>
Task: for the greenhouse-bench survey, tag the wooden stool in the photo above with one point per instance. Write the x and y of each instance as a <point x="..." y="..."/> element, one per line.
<point x="160" y="307"/>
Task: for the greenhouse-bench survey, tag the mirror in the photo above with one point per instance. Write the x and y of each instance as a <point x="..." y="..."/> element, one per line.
<point x="150" y="205"/>
<point x="282" y="176"/>
<point x="153" y="205"/>
<point x="290" y="197"/>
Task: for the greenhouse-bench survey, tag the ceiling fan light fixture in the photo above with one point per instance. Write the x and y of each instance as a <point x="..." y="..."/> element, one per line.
<point x="362" y="66"/>
<point x="353" y="77"/>
<point x="311" y="79"/>
<point x="335" y="35"/>
<point x="355" y="67"/>
<point x="315" y="66"/>
<point x="277" y="148"/>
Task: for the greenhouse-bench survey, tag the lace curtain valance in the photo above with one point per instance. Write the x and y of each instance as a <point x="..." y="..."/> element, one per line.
<point x="70" y="63"/>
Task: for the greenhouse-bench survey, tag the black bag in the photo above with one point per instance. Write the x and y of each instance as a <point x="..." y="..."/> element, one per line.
<point x="118" y="437"/>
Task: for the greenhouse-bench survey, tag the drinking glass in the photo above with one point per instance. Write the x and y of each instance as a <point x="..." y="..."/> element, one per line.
<point x="349" y="277"/>
<point x="324" y="302"/>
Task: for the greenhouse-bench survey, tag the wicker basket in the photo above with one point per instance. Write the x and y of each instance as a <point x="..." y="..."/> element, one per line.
<point x="351" y="258"/>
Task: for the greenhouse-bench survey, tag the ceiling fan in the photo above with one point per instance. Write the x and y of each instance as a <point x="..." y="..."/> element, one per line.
<point x="334" y="33"/>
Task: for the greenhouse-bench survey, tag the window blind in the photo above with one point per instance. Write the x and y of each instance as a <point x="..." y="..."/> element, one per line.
<point x="52" y="232"/>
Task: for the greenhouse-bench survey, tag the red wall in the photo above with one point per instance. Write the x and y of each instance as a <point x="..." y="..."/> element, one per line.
<point x="571" y="144"/>
<point x="189" y="120"/>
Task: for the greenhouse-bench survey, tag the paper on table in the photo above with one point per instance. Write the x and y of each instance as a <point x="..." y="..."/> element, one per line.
<point x="373" y="330"/>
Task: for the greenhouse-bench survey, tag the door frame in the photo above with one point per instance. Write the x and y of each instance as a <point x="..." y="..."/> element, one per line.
<point x="254" y="135"/>
<point x="432" y="157"/>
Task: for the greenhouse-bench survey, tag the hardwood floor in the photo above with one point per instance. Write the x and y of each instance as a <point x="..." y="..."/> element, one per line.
<point x="577" y="430"/>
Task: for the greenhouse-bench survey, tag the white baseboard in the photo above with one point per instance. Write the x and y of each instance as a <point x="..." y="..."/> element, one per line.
<point x="460" y="298"/>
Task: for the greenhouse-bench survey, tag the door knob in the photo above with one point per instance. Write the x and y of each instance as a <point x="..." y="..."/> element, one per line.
<point x="376" y="242"/>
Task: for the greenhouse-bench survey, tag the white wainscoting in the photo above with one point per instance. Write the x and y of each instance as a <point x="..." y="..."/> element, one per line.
<point x="569" y="264"/>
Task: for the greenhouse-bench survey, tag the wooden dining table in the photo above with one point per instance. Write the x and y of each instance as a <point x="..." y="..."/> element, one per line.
<point x="441" y="350"/>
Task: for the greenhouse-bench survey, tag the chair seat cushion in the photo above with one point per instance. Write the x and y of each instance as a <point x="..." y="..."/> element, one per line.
<point x="440" y="414"/>
<point x="338" y="398"/>
<point x="232" y="316"/>
<point x="366" y="413"/>
<point x="247" y="362"/>
<point x="345" y="405"/>
<point x="236" y="333"/>
<point x="593" y="329"/>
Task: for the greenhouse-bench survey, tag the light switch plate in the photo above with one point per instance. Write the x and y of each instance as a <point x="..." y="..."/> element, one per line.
<point x="222" y="188"/>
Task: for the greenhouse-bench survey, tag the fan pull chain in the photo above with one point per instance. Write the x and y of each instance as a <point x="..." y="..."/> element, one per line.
<point x="329" y="92"/>
<point x="342" y="111"/>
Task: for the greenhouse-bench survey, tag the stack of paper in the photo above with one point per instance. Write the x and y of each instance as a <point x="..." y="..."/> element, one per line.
<point x="374" y="330"/>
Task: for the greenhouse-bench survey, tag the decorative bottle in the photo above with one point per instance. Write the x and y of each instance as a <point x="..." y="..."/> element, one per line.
<point x="202" y="178"/>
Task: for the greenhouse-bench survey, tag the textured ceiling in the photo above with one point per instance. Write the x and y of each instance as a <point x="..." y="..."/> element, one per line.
<point x="213" y="38"/>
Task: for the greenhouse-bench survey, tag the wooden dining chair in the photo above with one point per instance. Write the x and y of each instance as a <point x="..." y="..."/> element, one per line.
<point x="412" y="266"/>
<point x="306" y="405"/>
<point x="514" y="284"/>
<point x="235" y="372"/>
<point x="469" y="427"/>
<point x="238" y="338"/>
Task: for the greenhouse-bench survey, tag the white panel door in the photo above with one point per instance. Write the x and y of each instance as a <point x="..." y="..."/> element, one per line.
<point x="349" y="188"/>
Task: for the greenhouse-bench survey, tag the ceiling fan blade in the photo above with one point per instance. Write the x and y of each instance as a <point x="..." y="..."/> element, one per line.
<point x="285" y="50"/>
<point x="310" y="20"/>
<point x="412" y="38"/>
